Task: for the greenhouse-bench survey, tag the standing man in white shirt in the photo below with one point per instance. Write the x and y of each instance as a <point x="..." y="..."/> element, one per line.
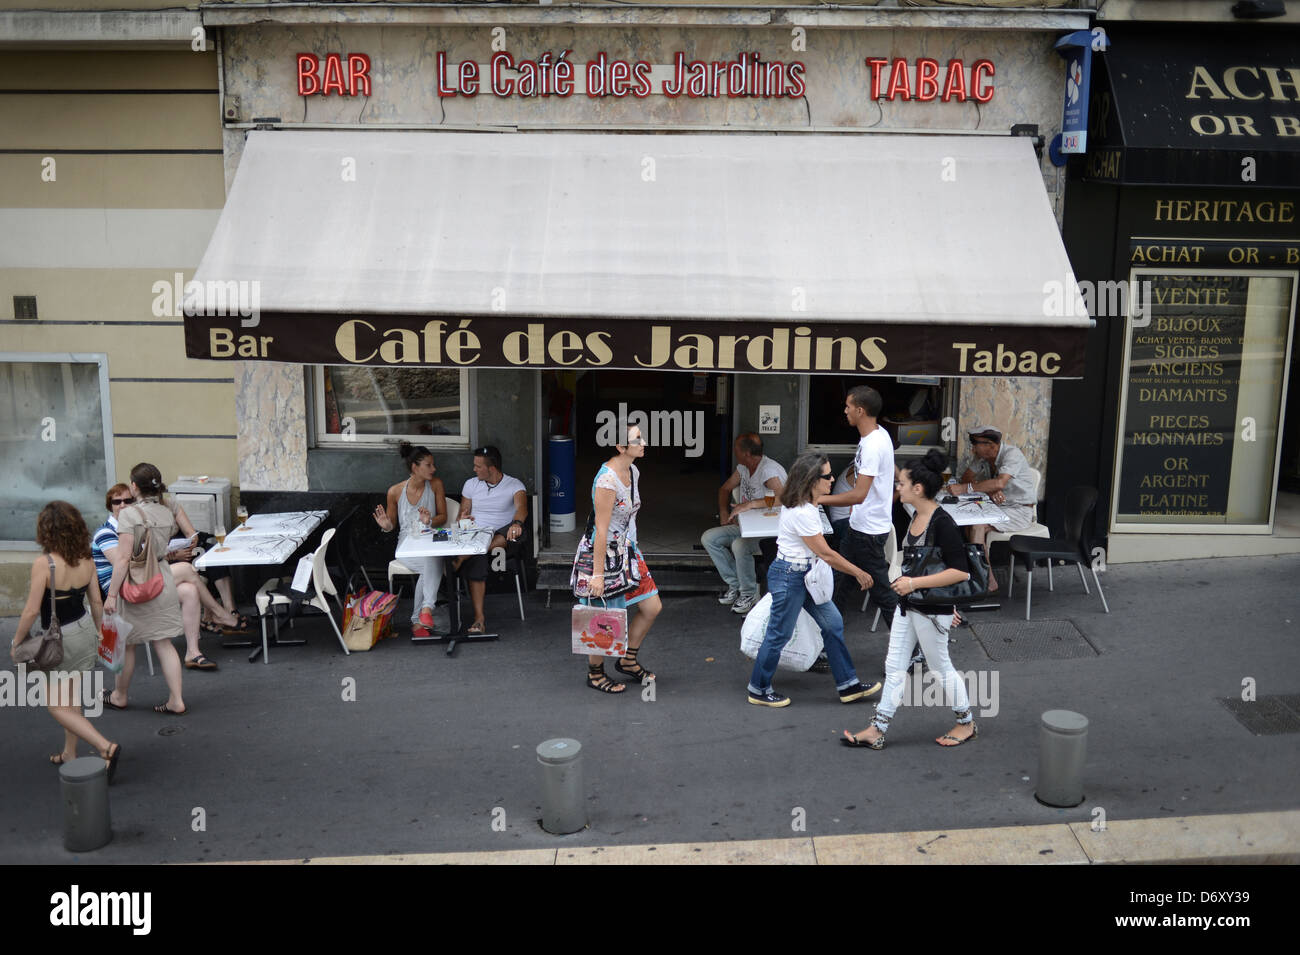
<point x="497" y="501"/>
<point x="872" y="501"/>
<point x="733" y="555"/>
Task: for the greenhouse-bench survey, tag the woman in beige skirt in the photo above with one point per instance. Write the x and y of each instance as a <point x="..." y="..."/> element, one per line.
<point x="159" y="620"/>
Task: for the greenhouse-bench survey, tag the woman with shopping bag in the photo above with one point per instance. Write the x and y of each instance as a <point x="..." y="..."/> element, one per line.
<point x="615" y="500"/>
<point x="63" y="582"/>
<point x="800" y="545"/>
<point x="920" y="617"/>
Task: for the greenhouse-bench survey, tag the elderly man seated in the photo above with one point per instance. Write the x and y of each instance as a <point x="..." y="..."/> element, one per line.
<point x="733" y="555"/>
<point x="1001" y="471"/>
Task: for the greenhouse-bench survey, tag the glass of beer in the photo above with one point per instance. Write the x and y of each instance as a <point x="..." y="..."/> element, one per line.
<point x="219" y="532"/>
<point x="769" y="500"/>
<point x="241" y="514"/>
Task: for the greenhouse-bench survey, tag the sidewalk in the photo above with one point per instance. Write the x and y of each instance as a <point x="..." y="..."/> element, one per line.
<point x="435" y="755"/>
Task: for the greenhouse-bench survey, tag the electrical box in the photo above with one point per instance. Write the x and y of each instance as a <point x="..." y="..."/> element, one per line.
<point x="206" y="500"/>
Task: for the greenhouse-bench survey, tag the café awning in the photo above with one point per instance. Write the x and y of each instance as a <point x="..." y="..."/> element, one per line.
<point x="612" y="250"/>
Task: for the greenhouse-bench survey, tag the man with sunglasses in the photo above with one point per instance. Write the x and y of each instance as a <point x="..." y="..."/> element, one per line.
<point x="495" y="501"/>
<point x="1001" y="471"/>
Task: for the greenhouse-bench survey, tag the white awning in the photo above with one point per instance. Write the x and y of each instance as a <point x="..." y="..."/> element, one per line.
<point x="806" y="228"/>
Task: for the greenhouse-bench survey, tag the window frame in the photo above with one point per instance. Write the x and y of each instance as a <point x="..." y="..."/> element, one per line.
<point x="370" y="442"/>
<point x="99" y="359"/>
<point x="950" y="388"/>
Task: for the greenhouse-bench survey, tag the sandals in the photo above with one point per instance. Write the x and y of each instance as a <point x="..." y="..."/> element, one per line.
<point x="850" y="740"/>
<point x="168" y="711"/>
<point x="597" y="679"/>
<point x="210" y="628"/>
<point x="200" y="663"/>
<point x="957" y="740"/>
<point x="58" y="760"/>
<point x="242" y="625"/>
<point x="105" y="697"/>
<point x="477" y="627"/>
<point x="114" y="751"/>
<point x="640" y="673"/>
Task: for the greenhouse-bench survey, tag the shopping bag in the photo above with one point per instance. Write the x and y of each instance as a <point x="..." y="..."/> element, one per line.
<point x="800" y="653"/>
<point x="112" y="644"/>
<point x="367" y="619"/>
<point x="599" y="631"/>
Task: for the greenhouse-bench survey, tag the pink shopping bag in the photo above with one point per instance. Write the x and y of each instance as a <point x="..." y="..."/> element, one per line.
<point x="599" y="631"/>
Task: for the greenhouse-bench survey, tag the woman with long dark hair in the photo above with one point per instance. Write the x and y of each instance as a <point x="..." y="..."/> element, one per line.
<point x="918" y="620"/>
<point x="66" y="566"/>
<point x="420" y="499"/>
<point x="799" y="540"/>
<point x="158" y="620"/>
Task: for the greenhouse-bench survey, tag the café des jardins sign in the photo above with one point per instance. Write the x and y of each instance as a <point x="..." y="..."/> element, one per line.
<point x="903" y="348"/>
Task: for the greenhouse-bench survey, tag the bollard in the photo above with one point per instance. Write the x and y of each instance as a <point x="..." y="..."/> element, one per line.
<point x="84" y="783"/>
<point x="1062" y="750"/>
<point x="564" y="808"/>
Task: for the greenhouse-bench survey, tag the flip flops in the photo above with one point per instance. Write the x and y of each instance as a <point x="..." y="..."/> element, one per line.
<point x="242" y="625"/>
<point x="957" y="741"/>
<point x="166" y="710"/>
<point x="200" y="663"/>
<point x="104" y="697"/>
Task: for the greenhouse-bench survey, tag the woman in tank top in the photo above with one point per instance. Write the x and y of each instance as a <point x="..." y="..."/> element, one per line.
<point x="420" y="499"/>
<point x="65" y="540"/>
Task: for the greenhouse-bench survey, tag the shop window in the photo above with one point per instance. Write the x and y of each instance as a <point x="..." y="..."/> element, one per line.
<point x="360" y="406"/>
<point x="913" y="410"/>
<point x="1204" y="377"/>
<point x="55" y="426"/>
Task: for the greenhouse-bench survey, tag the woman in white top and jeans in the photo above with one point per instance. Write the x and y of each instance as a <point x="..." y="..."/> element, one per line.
<point x="799" y="540"/>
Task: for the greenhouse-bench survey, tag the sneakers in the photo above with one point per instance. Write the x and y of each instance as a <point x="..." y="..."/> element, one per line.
<point x="744" y="603"/>
<point x="857" y="691"/>
<point x="729" y="597"/>
<point x="769" y="699"/>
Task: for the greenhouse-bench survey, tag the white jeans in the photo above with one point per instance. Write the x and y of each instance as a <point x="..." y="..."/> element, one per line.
<point x="932" y="633"/>
<point x="426" y="587"/>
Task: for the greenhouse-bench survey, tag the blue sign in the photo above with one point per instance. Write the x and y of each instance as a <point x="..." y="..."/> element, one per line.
<point x="1077" y="50"/>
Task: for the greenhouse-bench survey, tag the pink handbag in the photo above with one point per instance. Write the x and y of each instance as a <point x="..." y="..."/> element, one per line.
<point x="599" y="631"/>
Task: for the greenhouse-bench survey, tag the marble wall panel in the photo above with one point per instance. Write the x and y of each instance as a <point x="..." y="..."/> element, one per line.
<point x="271" y="409"/>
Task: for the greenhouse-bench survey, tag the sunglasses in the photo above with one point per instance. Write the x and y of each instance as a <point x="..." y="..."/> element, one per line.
<point x="827" y="477"/>
<point x="123" y="500"/>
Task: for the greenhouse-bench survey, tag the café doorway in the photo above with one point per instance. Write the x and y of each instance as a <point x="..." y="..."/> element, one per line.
<point x="688" y="451"/>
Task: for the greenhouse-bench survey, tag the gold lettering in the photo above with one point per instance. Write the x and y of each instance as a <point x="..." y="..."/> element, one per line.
<point x="874" y="354"/>
<point x="433" y="341"/>
<point x="401" y="346"/>
<point x="727" y="349"/>
<point x="221" y="342"/>
<point x="514" y="344"/>
<point x="1230" y="81"/>
<point x="1276" y="82"/>
<point x="1051" y="363"/>
<point x="776" y="360"/>
<point x="345" y="340"/>
<point x="848" y="354"/>
<point x="1201" y="79"/>
<point x="962" y="349"/>
<point x="802" y="348"/>
<point x="660" y="346"/>
<point x="696" y="354"/>
<point x="601" y="353"/>
<point x="563" y="342"/>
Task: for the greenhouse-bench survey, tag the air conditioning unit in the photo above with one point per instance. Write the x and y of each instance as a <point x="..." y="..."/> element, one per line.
<point x="206" y="500"/>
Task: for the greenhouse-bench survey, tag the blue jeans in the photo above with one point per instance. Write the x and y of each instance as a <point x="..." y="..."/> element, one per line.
<point x="785" y="584"/>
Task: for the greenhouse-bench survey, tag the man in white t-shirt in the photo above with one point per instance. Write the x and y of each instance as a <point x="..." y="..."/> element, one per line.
<point x="496" y="501"/>
<point x="872" y="501"/>
<point x="733" y="555"/>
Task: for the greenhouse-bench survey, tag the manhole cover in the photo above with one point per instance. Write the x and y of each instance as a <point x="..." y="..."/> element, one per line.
<point x="171" y="730"/>
<point x="1017" y="641"/>
<point x="1268" y="715"/>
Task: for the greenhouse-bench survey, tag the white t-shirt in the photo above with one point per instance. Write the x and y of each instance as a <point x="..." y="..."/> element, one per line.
<point x="492" y="505"/>
<point x="875" y="459"/>
<point x="754" y="486"/>
<point x="796" y="524"/>
<point x="842" y="486"/>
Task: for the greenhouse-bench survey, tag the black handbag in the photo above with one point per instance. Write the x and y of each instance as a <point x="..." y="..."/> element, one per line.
<point x="922" y="560"/>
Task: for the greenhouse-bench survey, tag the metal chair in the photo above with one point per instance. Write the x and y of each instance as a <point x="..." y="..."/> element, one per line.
<point x="269" y="596"/>
<point x="1071" y="546"/>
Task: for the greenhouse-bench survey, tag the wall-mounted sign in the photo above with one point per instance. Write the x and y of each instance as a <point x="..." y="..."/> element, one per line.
<point x="897" y="78"/>
<point x="769" y="419"/>
<point x="1077" y="49"/>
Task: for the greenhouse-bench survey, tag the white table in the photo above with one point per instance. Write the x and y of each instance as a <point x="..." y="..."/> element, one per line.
<point x="281" y="524"/>
<point x="460" y="543"/>
<point x="983" y="511"/>
<point x="759" y="522"/>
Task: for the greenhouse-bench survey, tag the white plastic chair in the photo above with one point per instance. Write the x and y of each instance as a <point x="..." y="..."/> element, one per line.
<point x="322" y="585"/>
<point x="396" y="568"/>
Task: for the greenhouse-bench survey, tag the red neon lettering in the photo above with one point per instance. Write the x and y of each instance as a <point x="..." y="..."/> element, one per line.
<point x="308" y="85"/>
<point x="358" y="74"/>
<point x="977" y="73"/>
<point x="898" y="81"/>
<point x="641" y="72"/>
<point x="796" y="80"/>
<point x="443" y="88"/>
<point x="619" y="75"/>
<point x="876" y="63"/>
<point x="927" y="79"/>
<point x="502" y="86"/>
<point x="333" y="80"/>
<point x="954" y="83"/>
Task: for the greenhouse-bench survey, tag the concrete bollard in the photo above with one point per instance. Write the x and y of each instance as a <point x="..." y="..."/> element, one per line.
<point x="1062" y="750"/>
<point x="564" y="807"/>
<point x="84" y="785"/>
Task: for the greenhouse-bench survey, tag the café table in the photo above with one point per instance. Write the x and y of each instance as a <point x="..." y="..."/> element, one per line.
<point x="457" y="542"/>
<point x="966" y="512"/>
<point x="759" y="522"/>
<point x="270" y="541"/>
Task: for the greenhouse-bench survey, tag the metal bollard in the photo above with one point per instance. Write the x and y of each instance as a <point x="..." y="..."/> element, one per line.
<point x="563" y="807"/>
<point x="1062" y="750"/>
<point x="84" y="785"/>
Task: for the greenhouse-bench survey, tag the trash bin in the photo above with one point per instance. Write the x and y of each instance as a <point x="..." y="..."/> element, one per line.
<point x="1062" y="751"/>
<point x="564" y="807"/>
<point x="84" y="785"/>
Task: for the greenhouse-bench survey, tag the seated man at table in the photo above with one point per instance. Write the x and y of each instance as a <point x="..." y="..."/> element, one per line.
<point x="733" y="555"/>
<point x="495" y="501"/>
<point x="1001" y="471"/>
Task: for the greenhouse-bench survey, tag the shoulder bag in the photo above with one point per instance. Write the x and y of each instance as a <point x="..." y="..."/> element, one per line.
<point x="922" y="560"/>
<point x="44" y="651"/>
<point x="619" y="568"/>
<point x="144" y="579"/>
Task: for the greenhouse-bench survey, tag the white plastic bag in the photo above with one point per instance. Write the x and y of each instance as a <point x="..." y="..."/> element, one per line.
<point x="800" y="653"/>
<point x="112" y="644"/>
<point x="820" y="582"/>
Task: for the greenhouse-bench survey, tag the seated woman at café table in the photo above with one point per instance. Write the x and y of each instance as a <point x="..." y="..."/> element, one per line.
<point x="1001" y="471"/>
<point x="420" y="499"/>
<point x="498" y="503"/>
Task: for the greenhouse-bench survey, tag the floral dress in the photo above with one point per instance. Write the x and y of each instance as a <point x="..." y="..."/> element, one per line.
<point x="622" y="526"/>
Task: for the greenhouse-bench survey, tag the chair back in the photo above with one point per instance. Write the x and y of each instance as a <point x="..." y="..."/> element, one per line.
<point x="320" y="576"/>
<point x="453" y="511"/>
<point x="1038" y="489"/>
<point x="1079" y="502"/>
